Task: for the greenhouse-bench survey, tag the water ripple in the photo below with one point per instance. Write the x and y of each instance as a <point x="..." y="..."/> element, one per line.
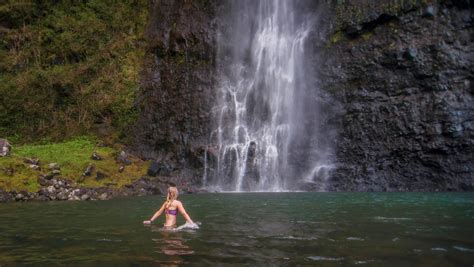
<point x="321" y="258"/>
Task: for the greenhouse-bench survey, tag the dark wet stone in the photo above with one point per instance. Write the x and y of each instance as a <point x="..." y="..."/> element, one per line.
<point x="153" y="169"/>
<point x="89" y="169"/>
<point x="42" y="181"/>
<point x="100" y="175"/>
<point x="411" y="53"/>
<point x="32" y="161"/>
<point x="96" y="156"/>
<point x="430" y="11"/>
<point x="123" y="158"/>
<point x="51" y="174"/>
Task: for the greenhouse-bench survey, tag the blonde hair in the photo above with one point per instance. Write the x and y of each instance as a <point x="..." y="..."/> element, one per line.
<point x="172" y="195"/>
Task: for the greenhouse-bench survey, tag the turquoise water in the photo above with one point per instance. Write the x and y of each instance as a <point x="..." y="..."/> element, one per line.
<point x="329" y="229"/>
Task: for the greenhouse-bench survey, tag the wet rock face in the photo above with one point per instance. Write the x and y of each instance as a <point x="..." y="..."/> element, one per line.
<point x="406" y="87"/>
<point x="398" y="83"/>
<point x="177" y="81"/>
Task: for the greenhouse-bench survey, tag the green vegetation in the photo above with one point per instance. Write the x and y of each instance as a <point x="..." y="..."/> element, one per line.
<point x="73" y="157"/>
<point x="336" y="37"/>
<point x="15" y="175"/>
<point x="69" y="68"/>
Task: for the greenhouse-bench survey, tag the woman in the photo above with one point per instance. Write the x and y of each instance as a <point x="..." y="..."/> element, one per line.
<point x="171" y="208"/>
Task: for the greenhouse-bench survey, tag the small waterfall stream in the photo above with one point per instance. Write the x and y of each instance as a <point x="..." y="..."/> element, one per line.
<point x="265" y="137"/>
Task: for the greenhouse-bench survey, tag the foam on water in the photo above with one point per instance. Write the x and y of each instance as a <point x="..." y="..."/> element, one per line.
<point x="321" y="258"/>
<point x="391" y="219"/>
<point x="355" y="238"/>
<point x="363" y="262"/>
<point x="188" y="226"/>
<point x="297" y="237"/>
<point x="463" y="249"/>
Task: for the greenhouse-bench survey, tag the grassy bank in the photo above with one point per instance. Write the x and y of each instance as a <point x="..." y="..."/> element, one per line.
<point x="73" y="157"/>
<point x="69" y="68"/>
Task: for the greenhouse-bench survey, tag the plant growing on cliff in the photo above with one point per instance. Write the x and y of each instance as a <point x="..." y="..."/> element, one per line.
<point x="68" y="66"/>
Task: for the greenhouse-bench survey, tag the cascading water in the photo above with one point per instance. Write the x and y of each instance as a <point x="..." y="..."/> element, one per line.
<point x="266" y="138"/>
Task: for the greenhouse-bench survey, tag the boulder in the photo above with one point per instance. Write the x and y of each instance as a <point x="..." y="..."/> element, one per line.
<point x="103" y="196"/>
<point x="35" y="167"/>
<point x="96" y="156"/>
<point x="19" y="197"/>
<point x="123" y="158"/>
<point x="430" y="11"/>
<point x="41" y="197"/>
<point x="411" y="53"/>
<point x="5" y="147"/>
<point x="153" y="169"/>
<point x="62" y="195"/>
<point x="53" y="166"/>
<point x="58" y="184"/>
<point x="50" y="175"/>
<point x="100" y="175"/>
<point x="42" y="181"/>
<point x="74" y="195"/>
<point x="73" y="198"/>
<point x="89" y="170"/>
<point x="31" y="161"/>
<point x="51" y="189"/>
<point x="159" y="168"/>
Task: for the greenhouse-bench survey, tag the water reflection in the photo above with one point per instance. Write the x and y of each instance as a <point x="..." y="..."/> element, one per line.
<point x="170" y="243"/>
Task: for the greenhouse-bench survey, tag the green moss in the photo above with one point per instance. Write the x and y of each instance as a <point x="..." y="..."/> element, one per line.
<point x="21" y="178"/>
<point x="179" y="58"/>
<point x="73" y="157"/>
<point x="336" y="37"/>
<point x="366" y="36"/>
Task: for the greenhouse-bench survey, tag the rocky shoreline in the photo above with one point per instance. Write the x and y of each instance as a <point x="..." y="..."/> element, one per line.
<point x="66" y="190"/>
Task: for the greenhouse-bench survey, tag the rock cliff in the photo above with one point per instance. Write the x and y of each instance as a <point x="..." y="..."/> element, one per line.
<point x="398" y="75"/>
<point x="178" y="79"/>
<point x="404" y="79"/>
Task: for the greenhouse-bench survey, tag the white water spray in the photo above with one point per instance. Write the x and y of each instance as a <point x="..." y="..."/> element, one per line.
<point x="261" y="116"/>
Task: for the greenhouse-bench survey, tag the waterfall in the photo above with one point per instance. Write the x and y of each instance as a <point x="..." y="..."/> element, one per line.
<point x="266" y="135"/>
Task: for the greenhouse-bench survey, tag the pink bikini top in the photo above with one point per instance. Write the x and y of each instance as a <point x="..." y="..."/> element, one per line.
<point x="171" y="212"/>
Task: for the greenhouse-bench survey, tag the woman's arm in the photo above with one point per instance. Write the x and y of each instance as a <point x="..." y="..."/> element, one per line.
<point x="183" y="212"/>
<point x="158" y="213"/>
